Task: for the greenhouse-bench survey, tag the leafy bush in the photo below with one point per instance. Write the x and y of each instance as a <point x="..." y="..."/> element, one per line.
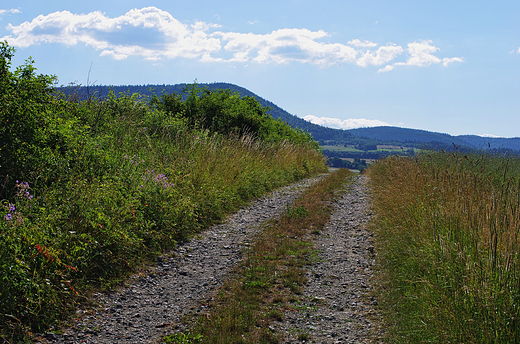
<point x="93" y="187"/>
<point x="225" y="112"/>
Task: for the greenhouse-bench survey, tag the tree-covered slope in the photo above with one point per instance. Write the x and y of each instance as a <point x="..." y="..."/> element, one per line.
<point x="317" y="131"/>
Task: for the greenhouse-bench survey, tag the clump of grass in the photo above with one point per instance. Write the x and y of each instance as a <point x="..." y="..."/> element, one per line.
<point x="272" y="273"/>
<point x="448" y="241"/>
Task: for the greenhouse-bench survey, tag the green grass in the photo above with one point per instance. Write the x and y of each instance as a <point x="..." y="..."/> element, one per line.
<point x="448" y="241"/>
<point x="271" y="276"/>
<point x="91" y="189"/>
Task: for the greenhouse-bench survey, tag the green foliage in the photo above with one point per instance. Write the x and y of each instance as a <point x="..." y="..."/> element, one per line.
<point x="183" y="338"/>
<point x="226" y="112"/>
<point x="91" y="188"/>
<point x="296" y="212"/>
<point x="357" y="164"/>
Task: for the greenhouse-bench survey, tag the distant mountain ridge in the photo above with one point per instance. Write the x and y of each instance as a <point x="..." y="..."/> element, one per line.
<point x="372" y="135"/>
<point x="386" y="133"/>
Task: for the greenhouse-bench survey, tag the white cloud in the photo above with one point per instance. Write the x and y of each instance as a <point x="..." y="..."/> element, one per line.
<point x="446" y="60"/>
<point x="351" y="123"/>
<point x="284" y="46"/>
<point x="421" y="54"/>
<point x="148" y="32"/>
<point x="154" y="34"/>
<point x="386" y="68"/>
<point x="381" y="56"/>
<point x="490" y="136"/>
<point x="358" y="43"/>
<point x="12" y="10"/>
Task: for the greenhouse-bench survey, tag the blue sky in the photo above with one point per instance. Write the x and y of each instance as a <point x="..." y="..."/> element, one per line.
<point x="444" y="66"/>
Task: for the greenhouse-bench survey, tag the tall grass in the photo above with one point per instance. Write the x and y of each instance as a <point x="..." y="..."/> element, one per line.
<point x="121" y="183"/>
<point x="448" y="235"/>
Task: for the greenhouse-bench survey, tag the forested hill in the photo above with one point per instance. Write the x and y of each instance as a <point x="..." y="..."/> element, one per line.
<point x="358" y="137"/>
<point x="317" y="131"/>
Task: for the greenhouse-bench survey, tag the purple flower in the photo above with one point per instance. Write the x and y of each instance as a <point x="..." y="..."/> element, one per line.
<point x="8" y="217"/>
<point x="11" y="208"/>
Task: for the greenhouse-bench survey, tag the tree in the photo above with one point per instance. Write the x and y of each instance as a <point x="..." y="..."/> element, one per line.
<point x="26" y="97"/>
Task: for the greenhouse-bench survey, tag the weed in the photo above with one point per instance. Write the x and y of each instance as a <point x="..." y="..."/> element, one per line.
<point x="304" y="336"/>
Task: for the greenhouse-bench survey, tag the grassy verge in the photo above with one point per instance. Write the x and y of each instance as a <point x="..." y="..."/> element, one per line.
<point x="270" y="277"/>
<point x="449" y="247"/>
<point x="89" y="189"/>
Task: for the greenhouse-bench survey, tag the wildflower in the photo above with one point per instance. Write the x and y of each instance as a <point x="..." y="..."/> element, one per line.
<point x="11" y="208"/>
<point x="71" y="268"/>
<point x="8" y="217"/>
<point x="44" y="252"/>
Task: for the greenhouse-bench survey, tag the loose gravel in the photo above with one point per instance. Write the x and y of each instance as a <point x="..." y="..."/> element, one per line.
<point x="334" y="307"/>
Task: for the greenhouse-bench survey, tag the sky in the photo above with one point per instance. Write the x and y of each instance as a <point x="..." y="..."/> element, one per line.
<point x="444" y="66"/>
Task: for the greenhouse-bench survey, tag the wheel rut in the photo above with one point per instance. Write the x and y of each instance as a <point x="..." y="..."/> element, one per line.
<point x="337" y="306"/>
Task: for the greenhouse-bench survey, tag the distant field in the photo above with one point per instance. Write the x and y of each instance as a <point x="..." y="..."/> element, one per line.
<point x="368" y="161"/>
<point x="350" y="148"/>
<point x="340" y="149"/>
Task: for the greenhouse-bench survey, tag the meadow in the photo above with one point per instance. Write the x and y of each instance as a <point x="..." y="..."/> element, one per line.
<point x="448" y="247"/>
<point x="92" y="188"/>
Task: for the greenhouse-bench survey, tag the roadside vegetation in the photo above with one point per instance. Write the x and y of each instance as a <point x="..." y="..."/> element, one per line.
<point x="91" y="188"/>
<point x="448" y="233"/>
<point x="269" y="280"/>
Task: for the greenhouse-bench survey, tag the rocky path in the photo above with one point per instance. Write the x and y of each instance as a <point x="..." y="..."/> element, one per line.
<point x="336" y="306"/>
<point x="334" y="309"/>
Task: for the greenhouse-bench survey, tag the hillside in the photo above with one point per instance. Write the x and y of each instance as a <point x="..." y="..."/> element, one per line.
<point x="361" y="136"/>
<point x="317" y="131"/>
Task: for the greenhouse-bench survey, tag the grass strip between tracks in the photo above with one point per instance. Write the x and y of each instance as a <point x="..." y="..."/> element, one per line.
<point x="270" y="278"/>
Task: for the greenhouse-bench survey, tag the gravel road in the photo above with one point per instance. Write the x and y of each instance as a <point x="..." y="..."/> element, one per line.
<point x="334" y="310"/>
<point x="337" y="307"/>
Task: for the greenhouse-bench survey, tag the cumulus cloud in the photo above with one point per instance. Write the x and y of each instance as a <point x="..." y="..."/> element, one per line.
<point x="446" y="60"/>
<point x="12" y="10"/>
<point x="421" y="54"/>
<point x="154" y="34"/>
<point x="381" y="56"/>
<point x="148" y="32"/>
<point x="358" y="43"/>
<point x="284" y="46"/>
<point x="351" y="123"/>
